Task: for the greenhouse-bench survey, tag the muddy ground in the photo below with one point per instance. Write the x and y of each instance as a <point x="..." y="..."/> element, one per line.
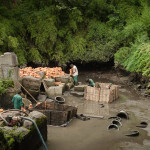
<point x="93" y="134"/>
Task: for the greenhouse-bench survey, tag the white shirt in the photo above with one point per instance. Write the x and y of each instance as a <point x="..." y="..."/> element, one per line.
<point x="75" y="71"/>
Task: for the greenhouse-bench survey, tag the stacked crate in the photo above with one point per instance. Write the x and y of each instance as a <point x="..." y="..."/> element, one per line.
<point x="101" y="93"/>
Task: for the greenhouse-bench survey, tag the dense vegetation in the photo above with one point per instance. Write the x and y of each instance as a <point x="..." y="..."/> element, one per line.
<point x="4" y="84"/>
<point x="41" y="31"/>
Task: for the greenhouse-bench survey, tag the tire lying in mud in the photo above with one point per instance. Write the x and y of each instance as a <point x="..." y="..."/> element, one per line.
<point x="60" y="99"/>
<point x="116" y="122"/>
<point x="133" y="133"/>
<point x="143" y="124"/>
<point x="123" y="114"/>
<point x="113" y="126"/>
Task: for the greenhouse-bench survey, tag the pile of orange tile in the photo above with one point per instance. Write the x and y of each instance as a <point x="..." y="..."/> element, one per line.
<point x="49" y="72"/>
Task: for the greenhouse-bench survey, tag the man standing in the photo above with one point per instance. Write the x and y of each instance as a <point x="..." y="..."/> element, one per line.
<point x="17" y="100"/>
<point x="74" y="73"/>
<point x="91" y="82"/>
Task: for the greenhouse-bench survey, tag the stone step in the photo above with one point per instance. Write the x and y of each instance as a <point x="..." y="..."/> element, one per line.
<point x="78" y="94"/>
<point x="79" y="88"/>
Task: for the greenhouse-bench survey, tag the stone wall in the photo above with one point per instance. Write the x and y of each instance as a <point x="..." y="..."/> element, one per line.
<point x="9" y="69"/>
<point x="9" y="66"/>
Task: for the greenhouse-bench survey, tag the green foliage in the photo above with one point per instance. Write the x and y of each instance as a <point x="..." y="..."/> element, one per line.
<point x="4" y="84"/>
<point x="34" y="55"/>
<point x="41" y="31"/>
<point x="136" y="58"/>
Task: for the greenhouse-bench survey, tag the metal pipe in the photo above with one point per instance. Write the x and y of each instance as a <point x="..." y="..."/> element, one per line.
<point x="93" y="116"/>
<point x="26" y="118"/>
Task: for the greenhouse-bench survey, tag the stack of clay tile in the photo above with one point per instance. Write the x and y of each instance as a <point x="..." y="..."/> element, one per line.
<point x="49" y="72"/>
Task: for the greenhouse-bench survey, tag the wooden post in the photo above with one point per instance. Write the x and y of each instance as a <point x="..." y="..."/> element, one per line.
<point x="25" y="101"/>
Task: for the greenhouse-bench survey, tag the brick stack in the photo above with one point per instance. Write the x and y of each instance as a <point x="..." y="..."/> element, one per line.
<point x="101" y="93"/>
<point x="92" y="93"/>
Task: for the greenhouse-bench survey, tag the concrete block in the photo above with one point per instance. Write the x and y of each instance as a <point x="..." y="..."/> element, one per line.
<point x="42" y="98"/>
<point x="36" y="115"/>
<point x="49" y="82"/>
<point x="31" y="83"/>
<point x="27" y="124"/>
<point x="9" y="59"/>
<point x="10" y="72"/>
<point x="63" y="86"/>
<point x="54" y="91"/>
<point x="63" y="79"/>
<point x="69" y="85"/>
<point x="58" y="79"/>
<point x="79" y="88"/>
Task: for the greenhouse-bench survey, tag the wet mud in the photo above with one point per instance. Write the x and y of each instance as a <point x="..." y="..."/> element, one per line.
<point x="93" y="134"/>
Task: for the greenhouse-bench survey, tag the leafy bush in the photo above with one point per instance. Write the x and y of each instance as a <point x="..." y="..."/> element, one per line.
<point x="136" y="58"/>
<point x="4" y="84"/>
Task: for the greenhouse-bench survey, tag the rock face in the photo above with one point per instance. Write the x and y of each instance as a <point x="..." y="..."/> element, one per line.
<point x="25" y="137"/>
<point x="32" y="85"/>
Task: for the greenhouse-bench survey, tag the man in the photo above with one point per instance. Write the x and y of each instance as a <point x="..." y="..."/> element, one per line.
<point x="91" y="82"/>
<point x="17" y="100"/>
<point x="74" y="73"/>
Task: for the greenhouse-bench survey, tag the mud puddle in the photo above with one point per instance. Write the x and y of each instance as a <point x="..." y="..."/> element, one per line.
<point x="93" y="134"/>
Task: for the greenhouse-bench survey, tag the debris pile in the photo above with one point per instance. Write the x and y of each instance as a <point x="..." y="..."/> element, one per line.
<point x="116" y="124"/>
<point x="34" y="72"/>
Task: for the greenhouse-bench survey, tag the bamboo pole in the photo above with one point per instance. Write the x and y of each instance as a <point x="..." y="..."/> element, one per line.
<point x="27" y="92"/>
